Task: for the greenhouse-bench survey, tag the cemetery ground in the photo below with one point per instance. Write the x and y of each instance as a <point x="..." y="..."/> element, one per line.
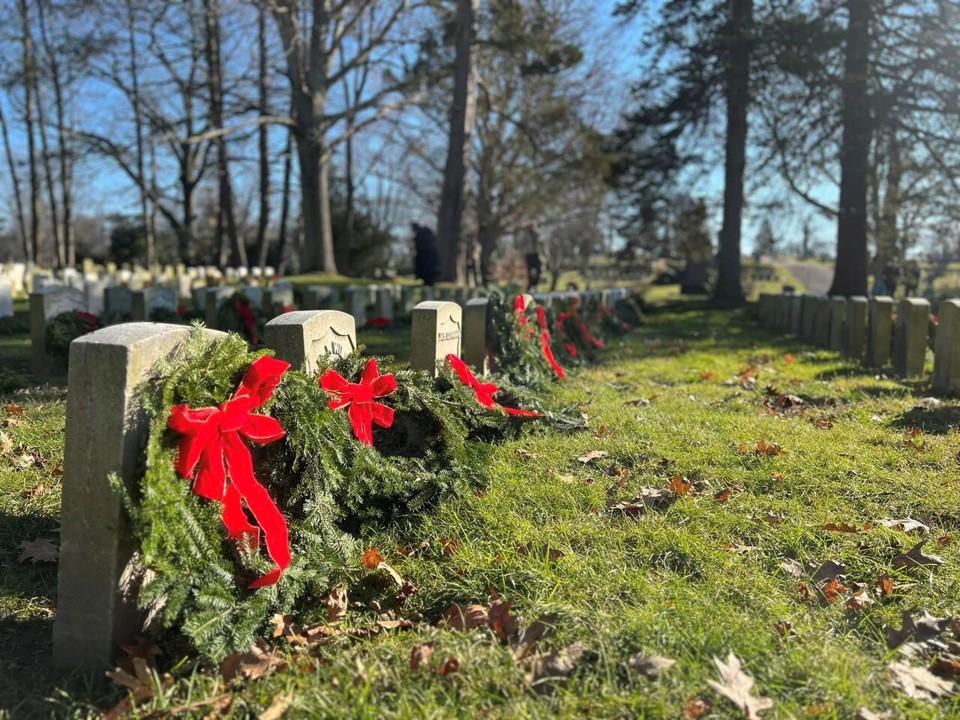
<point x="736" y="492"/>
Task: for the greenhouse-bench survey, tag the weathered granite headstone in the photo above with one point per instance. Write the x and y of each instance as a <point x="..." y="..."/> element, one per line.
<point x="855" y="327"/>
<point x="44" y="306"/>
<point x="475" y="350"/>
<point x="253" y="294"/>
<point x="6" y="298"/>
<point x="910" y="339"/>
<point x="105" y="433"/>
<point x="406" y="299"/>
<point x="302" y="337"/>
<point x="322" y="297"/>
<point x="821" y="321"/>
<point x="838" y="320"/>
<point x="880" y="334"/>
<point x="117" y="302"/>
<point x="436" y="331"/>
<point x="93" y="291"/>
<point x="281" y="295"/>
<point x="385" y="302"/>
<point x="145" y="302"/>
<point x="946" y="357"/>
<point x="72" y="278"/>
<point x="807" y="317"/>
<point x="357" y="296"/>
<point x="211" y="306"/>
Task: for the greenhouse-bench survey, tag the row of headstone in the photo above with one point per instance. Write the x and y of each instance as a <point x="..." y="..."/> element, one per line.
<point x="105" y="432"/>
<point x="868" y="330"/>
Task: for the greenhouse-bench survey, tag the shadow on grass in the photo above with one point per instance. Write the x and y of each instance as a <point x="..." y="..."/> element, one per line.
<point x="936" y="421"/>
<point x="29" y="684"/>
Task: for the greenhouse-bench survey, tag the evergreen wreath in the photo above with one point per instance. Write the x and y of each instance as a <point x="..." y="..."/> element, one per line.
<point x="66" y="327"/>
<point x="329" y="486"/>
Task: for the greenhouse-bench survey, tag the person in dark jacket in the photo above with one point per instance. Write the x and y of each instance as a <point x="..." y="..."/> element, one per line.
<point x="426" y="259"/>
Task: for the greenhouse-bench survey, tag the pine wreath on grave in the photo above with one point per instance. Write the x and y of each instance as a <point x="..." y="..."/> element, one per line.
<point x="326" y="483"/>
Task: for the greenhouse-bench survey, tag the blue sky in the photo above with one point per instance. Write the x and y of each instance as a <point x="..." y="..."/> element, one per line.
<point x="102" y="188"/>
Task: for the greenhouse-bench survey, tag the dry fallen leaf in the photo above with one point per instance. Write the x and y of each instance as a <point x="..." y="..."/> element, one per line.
<point x="420" y="655"/>
<point x="919" y="683"/>
<point x="464" y="617"/>
<point x="736" y="686"/>
<point x="650" y="665"/>
<point x="39" y="550"/>
<point x="593" y="455"/>
<point x="278" y="707"/>
<point x="260" y="660"/>
<point x="536" y="631"/>
<point x="680" y="486"/>
<point x="905" y="524"/>
<point x="695" y="709"/>
<point x="449" y="666"/>
<point x="841" y="527"/>
<point x="866" y="714"/>
<point x="767" y="449"/>
<point x="914" y="557"/>
<point x="500" y="619"/>
<point x="6" y="444"/>
<point x="142" y="684"/>
<point x="556" y="664"/>
<point x="336" y="603"/>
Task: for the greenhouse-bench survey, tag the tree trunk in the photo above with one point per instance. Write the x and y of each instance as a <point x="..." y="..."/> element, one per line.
<point x="63" y="151"/>
<point x="226" y="219"/>
<point x="61" y="257"/>
<point x="15" y="179"/>
<point x="850" y="270"/>
<point x="263" y="244"/>
<point x="285" y="204"/>
<point x="345" y="242"/>
<point x="138" y="130"/>
<point x="29" y="69"/>
<point x="888" y="249"/>
<point x="737" y="93"/>
<point x="462" y="116"/>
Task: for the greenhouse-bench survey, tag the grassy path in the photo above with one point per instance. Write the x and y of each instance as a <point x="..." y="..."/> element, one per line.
<point x="731" y="565"/>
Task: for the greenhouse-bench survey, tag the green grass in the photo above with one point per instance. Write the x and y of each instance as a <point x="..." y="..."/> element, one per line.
<point x="695" y="580"/>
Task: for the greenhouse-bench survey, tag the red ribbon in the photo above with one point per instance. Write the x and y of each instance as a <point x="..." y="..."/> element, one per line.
<point x="542" y="318"/>
<point x="548" y="354"/>
<point x="519" y="308"/>
<point x="571" y="349"/>
<point x="484" y="392"/>
<point x="359" y="399"/>
<point x="213" y="439"/>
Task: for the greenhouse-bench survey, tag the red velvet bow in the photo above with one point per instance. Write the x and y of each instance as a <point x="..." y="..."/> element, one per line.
<point x="548" y="354"/>
<point x="519" y="308"/>
<point x="542" y="318"/>
<point x="213" y="439"/>
<point x="363" y="411"/>
<point x="484" y="392"/>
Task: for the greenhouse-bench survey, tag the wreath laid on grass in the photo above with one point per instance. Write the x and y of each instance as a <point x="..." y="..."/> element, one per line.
<point x="258" y="479"/>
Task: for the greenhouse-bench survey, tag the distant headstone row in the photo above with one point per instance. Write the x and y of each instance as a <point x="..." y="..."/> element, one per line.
<point x="876" y="331"/>
<point x="106" y="428"/>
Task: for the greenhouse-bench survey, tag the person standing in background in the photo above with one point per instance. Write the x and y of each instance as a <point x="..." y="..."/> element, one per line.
<point x="529" y="242"/>
<point x="426" y="259"/>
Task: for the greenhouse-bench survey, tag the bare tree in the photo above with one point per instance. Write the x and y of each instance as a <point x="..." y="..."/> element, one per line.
<point x="15" y="180"/>
<point x="134" y="84"/>
<point x="313" y="33"/>
<point x="263" y="102"/>
<point x="462" y="117"/>
<point x="29" y="71"/>
<point x="234" y="249"/>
